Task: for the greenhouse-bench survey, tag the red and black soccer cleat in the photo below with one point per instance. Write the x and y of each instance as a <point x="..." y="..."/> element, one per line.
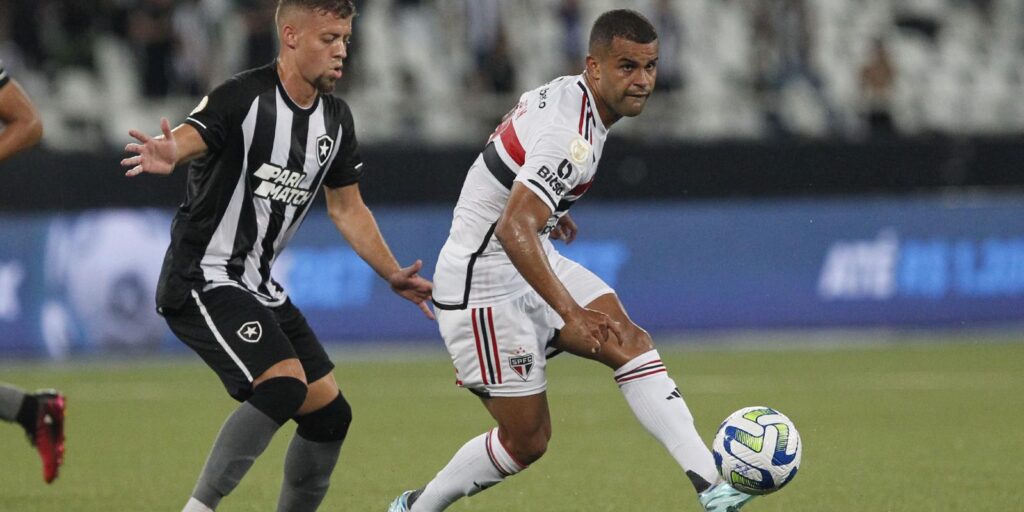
<point x="48" y="437"/>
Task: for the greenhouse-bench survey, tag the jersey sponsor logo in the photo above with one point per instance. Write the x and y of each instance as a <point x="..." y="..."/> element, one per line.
<point x="250" y="332"/>
<point x="324" y="145"/>
<point x="555" y="180"/>
<point x="522" y="365"/>
<point x="282" y="185"/>
<point x="564" y="170"/>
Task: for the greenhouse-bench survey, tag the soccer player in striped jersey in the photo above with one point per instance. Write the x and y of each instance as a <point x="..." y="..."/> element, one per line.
<point x="41" y="414"/>
<point x="260" y="146"/>
<point x="506" y="299"/>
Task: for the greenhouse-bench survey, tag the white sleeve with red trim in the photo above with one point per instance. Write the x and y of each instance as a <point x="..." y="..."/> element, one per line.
<point x="558" y="161"/>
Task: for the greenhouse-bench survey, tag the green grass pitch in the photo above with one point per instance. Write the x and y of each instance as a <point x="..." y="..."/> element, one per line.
<point x="902" y="427"/>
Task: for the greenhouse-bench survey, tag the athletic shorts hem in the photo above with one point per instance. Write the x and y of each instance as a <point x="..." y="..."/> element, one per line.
<point x="506" y="393"/>
<point x="595" y="295"/>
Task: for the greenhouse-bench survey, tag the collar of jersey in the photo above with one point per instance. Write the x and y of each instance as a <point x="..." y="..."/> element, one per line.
<point x="593" y="100"/>
<point x="288" y="99"/>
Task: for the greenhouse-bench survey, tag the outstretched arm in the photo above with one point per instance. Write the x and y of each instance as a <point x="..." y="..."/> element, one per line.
<point x="160" y="155"/>
<point x="524" y="216"/>
<point x="23" y="127"/>
<point x="356" y="223"/>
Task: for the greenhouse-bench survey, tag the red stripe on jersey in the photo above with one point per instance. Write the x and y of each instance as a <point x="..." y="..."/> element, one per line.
<point x="479" y="349"/>
<point x="494" y="342"/>
<point x="583" y="111"/>
<point x="513" y="147"/>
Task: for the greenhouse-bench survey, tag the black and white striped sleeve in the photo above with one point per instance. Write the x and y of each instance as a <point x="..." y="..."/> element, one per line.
<point x="218" y="112"/>
<point x="347" y="167"/>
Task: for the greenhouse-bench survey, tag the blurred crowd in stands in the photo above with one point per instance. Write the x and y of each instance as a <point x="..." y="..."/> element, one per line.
<point x="445" y="70"/>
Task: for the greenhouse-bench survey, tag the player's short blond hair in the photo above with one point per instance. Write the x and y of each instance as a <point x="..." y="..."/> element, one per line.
<point x="340" y="8"/>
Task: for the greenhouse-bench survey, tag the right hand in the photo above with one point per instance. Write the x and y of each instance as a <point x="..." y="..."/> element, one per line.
<point x="586" y="330"/>
<point x="407" y="283"/>
<point x="156" y="155"/>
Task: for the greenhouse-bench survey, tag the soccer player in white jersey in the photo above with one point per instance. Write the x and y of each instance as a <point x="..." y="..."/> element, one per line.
<point x="41" y="414"/>
<point x="506" y="299"/>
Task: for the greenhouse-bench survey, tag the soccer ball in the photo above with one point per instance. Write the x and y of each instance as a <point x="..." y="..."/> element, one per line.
<point x="757" y="450"/>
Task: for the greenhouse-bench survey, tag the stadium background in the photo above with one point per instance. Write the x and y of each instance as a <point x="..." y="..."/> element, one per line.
<point x="810" y="173"/>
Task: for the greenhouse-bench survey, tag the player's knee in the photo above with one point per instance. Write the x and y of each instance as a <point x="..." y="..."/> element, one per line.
<point x="279" y="397"/>
<point x="328" y="424"/>
<point x="635" y="340"/>
<point x="528" y="448"/>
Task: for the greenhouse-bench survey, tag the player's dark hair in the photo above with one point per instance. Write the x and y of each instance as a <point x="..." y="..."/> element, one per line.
<point x="340" y="8"/>
<point x="624" y="23"/>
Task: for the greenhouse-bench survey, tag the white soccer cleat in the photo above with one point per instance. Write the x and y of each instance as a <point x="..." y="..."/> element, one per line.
<point x="723" y="498"/>
<point x="401" y="503"/>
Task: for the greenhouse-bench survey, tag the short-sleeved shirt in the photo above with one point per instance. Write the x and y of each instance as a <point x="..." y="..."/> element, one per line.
<point x="246" y="197"/>
<point x="550" y="142"/>
<point x="4" y="77"/>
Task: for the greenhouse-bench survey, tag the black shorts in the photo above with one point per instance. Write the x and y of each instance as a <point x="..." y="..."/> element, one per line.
<point x="240" y="338"/>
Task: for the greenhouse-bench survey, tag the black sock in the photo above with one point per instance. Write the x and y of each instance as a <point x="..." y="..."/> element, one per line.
<point x="28" y="413"/>
<point x="699" y="483"/>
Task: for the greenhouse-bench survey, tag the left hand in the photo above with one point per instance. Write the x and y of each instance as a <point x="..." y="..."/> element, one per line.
<point x="565" y="230"/>
<point x="407" y="283"/>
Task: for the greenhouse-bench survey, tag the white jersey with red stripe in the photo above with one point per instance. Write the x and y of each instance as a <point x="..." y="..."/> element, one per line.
<point x="551" y="142"/>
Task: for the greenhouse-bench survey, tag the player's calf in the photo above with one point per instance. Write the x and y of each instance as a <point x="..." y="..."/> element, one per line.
<point x="659" y="406"/>
<point x="312" y="455"/>
<point x="244" y="436"/>
<point x="524" y="425"/>
<point x="481" y="463"/>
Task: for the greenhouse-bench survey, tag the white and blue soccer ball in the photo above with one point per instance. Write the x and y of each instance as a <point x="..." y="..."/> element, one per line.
<point x="757" y="450"/>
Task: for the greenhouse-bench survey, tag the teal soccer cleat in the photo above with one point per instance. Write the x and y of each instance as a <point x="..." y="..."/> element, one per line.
<point x="401" y="503"/>
<point x="723" y="498"/>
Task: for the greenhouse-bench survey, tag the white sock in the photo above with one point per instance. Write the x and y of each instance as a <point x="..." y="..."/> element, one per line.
<point x="195" y="505"/>
<point x="479" y="464"/>
<point x="659" y="406"/>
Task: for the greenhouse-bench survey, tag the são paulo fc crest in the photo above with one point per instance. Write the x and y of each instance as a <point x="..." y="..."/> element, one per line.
<point x="250" y="332"/>
<point x="324" y="145"/>
<point x="522" y="365"/>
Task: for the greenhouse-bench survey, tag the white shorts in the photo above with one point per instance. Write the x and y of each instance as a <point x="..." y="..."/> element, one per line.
<point x="501" y="349"/>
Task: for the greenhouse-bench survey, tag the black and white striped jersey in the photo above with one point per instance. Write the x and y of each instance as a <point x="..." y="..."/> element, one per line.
<point x="4" y="78"/>
<point x="249" y="193"/>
